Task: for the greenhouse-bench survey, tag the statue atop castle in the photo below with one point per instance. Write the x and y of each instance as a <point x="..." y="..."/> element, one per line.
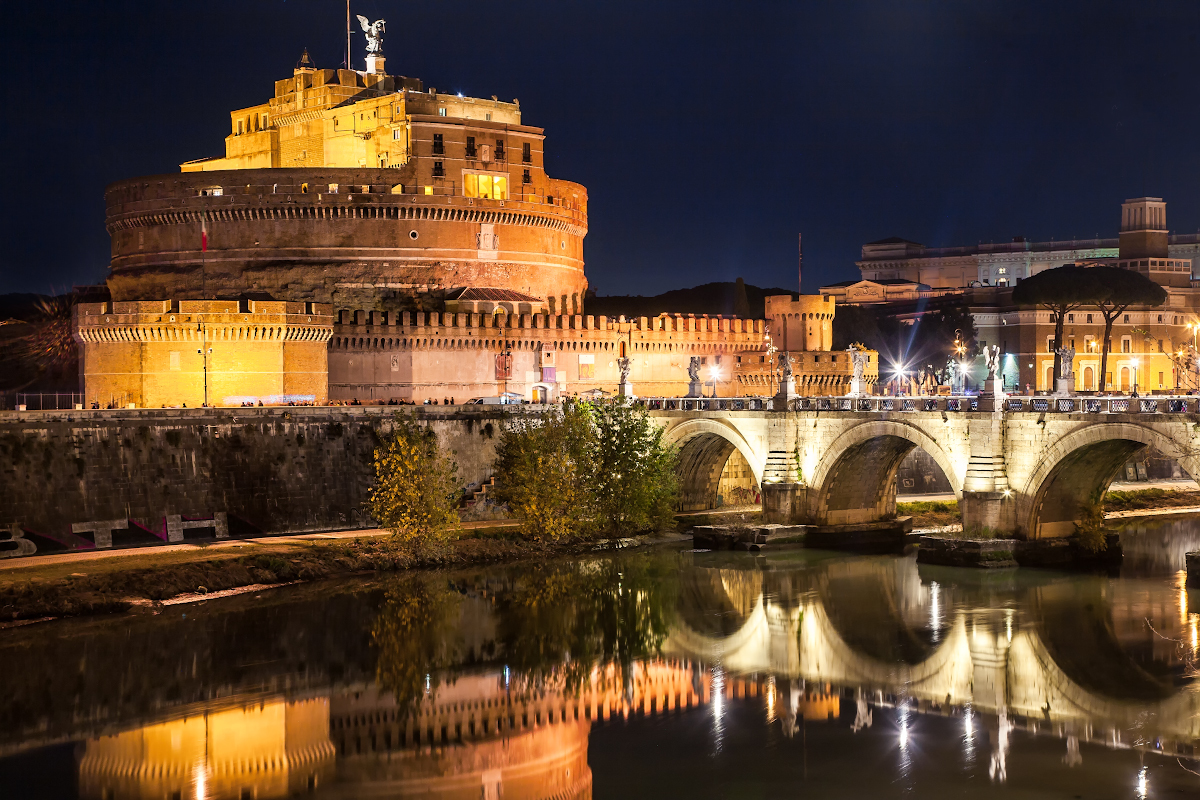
<point x="374" y="31"/>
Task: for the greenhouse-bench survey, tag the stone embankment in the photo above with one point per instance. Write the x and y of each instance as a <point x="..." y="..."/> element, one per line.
<point x="95" y="479"/>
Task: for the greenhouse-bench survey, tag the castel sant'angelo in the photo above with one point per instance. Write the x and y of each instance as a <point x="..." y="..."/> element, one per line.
<point x="364" y="237"/>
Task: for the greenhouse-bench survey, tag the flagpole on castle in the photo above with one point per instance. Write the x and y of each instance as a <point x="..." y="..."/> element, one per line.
<point x="800" y="265"/>
<point x="348" y="35"/>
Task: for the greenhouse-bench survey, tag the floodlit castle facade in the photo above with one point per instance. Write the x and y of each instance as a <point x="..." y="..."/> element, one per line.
<point x="364" y="237"/>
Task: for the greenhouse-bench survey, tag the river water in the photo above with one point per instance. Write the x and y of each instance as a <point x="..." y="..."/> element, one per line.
<point x="656" y="673"/>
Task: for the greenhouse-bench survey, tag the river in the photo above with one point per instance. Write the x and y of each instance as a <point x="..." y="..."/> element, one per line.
<point x="654" y="673"/>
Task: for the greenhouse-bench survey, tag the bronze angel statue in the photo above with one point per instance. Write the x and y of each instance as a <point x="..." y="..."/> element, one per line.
<point x="374" y="31"/>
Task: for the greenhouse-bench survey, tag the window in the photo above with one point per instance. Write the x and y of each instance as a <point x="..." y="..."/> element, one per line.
<point x="526" y="177"/>
<point x="1089" y="318"/>
<point x="428" y="190"/>
<point x="526" y="155"/>
<point x="1001" y="270"/>
<point x="239" y="127"/>
<point x="1160" y="380"/>
<point x="1160" y="318"/>
<point x="499" y="149"/>
<point x="212" y="191"/>
<point x="488" y="116"/>
<point x="442" y="111"/>
<point x="1126" y="344"/>
<point x="438" y="170"/>
<point x="397" y="134"/>
<point x="304" y="188"/>
<point x="1050" y="345"/>
<point x="470" y="147"/>
<point x="333" y="188"/>
<point x="1126" y="318"/>
<point x="439" y="145"/>
<point x="1070" y="317"/>
<point x="398" y="188"/>
<point x="491" y="187"/>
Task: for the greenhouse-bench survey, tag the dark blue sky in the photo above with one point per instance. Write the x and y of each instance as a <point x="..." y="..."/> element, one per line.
<point x="708" y="134"/>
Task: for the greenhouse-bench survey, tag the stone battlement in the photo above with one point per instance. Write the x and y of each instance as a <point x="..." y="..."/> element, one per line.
<point x="664" y="323"/>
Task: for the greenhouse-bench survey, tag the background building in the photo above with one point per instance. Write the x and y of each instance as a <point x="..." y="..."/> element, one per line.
<point x="1152" y="348"/>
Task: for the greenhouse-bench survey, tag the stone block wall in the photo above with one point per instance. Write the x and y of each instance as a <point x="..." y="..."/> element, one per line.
<point x="273" y="470"/>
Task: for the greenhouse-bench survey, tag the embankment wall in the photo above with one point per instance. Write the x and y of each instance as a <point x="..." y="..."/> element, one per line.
<point x="270" y="470"/>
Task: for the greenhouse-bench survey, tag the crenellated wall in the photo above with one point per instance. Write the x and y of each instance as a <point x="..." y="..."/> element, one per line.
<point x="427" y="355"/>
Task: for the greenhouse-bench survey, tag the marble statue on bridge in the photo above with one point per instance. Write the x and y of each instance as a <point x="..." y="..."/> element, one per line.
<point x="995" y="381"/>
<point x="1065" y="380"/>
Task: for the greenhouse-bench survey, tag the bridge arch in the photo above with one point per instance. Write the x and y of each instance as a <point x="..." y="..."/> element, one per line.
<point x="854" y="480"/>
<point x="704" y="447"/>
<point x="1075" y="471"/>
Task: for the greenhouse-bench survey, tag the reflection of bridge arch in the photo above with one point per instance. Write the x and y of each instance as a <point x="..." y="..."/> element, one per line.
<point x="855" y="478"/>
<point x="1075" y="470"/>
<point x="704" y="447"/>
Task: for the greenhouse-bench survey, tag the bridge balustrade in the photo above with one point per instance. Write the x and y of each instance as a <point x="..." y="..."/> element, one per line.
<point x="1062" y="405"/>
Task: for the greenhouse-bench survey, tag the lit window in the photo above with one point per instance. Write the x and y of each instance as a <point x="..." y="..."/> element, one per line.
<point x="333" y="188"/>
<point x="428" y="190"/>
<point x="442" y="111"/>
<point x="1001" y="270"/>
<point x="490" y="187"/>
<point x="398" y="134"/>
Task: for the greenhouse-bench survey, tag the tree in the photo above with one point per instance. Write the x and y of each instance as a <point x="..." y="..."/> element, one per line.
<point x="584" y="466"/>
<point x="1060" y="290"/>
<point x="415" y="493"/>
<point x="1117" y="289"/>
<point x="544" y="470"/>
<point x="634" y="484"/>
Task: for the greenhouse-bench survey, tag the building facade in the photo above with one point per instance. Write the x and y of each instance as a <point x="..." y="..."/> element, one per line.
<point x="1153" y="349"/>
<point x="365" y="238"/>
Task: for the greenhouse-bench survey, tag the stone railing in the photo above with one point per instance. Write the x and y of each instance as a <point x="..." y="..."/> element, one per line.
<point x="1158" y="404"/>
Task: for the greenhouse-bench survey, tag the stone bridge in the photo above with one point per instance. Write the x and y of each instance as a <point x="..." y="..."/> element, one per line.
<point x="1030" y="469"/>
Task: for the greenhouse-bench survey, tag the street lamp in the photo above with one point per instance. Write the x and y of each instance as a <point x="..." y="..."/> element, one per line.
<point x="1135" y="362"/>
<point x="714" y="374"/>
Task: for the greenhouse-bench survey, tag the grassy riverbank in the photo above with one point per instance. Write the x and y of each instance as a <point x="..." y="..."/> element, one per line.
<point x="941" y="514"/>
<point x="146" y="577"/>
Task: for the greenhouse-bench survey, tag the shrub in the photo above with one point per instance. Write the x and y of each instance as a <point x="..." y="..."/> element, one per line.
<point x="635" y="485"/>
<point x="585" y="466"/>
<point x="544" y="470"/>
<point x="415" y="493"/>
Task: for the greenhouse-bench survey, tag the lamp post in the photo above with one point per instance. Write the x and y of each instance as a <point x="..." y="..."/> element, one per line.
<point x="506" y="354"/>
<point x="204" y="350"/>
<point x="1135" y="363"/>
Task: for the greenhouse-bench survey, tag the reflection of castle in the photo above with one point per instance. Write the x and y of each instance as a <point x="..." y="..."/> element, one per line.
<point x="476" y="737"/>
<point x="265" y="750"/>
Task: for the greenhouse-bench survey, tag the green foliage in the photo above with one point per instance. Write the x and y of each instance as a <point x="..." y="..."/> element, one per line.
<point x="558" y="621"/>
<point x="412" y="637"/>
<point x="543" y="468"/>
<point x="634" y="483"/>
<point x="415" y="493"/>
<point x="586" y="466"/>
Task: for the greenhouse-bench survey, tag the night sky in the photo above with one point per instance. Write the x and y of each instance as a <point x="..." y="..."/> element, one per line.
<point x="707" y="134"/>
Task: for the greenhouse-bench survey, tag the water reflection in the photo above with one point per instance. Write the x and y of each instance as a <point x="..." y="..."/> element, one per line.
<point x="523" y="682"/>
